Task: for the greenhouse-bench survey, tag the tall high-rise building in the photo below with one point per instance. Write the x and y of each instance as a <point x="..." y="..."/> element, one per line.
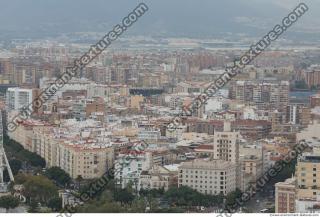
<point x="16" y="98"/>
<point x="298" y="114"/>
<point x="226" y="147"/>
<point x="226" y="144"/>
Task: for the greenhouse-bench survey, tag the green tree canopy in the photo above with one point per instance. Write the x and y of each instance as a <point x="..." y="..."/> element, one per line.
<point x="58" y="175"/>
<point x="186" y="196"/>
<point x="16" y="151"/>
<point x="9" y="202"/>
<point x="15" y="166"/>
<point x="40" y="188"/>
<point x="55" y="204"/>
<point x="124" y="196"/>
<point x="232" y="196"/>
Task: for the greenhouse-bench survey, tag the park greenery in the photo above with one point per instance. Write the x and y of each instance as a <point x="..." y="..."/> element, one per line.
<point x="14" y="150"/>
<point x="113" y="199"/>
<point x="38" y="190"/>
<point x="8" y="202"/>
<point x="58" y="175"/>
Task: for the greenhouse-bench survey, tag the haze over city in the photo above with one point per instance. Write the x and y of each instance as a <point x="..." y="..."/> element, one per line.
<point x="171" y="106"/>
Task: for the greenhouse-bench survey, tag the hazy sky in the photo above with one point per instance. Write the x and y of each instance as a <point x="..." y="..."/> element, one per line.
<point x="165" y="17"/>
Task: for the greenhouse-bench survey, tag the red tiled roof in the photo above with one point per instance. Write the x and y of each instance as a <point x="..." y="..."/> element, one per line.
<point x="205" y="147"/>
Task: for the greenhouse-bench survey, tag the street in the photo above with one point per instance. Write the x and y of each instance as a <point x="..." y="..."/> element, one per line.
<point x="261" y="200"/>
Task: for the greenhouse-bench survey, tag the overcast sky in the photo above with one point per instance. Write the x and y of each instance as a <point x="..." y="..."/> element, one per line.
<point x="164" y="18"/>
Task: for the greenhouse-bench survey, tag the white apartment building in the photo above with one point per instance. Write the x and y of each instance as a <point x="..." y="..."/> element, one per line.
<point x="208" y="177"/>
<point x="128" y="168"/>
<point x="18" y="97"/>
<point x="148" y="132"/>
<point x="308" y="206"/>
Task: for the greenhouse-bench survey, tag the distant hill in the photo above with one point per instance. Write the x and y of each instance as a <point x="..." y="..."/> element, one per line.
<point x="193" y="18"/>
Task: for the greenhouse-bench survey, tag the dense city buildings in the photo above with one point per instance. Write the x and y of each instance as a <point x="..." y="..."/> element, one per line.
<point x="94" y="122"/>
<point x="104" y="133"/>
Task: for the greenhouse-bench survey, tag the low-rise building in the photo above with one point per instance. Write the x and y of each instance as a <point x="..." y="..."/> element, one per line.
<point x="157" y="177"/>
<point x="285" y="196"/>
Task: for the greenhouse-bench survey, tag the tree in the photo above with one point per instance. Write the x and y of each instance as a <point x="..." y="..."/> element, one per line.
<point x="124" y="196"/>
<point x="34" y="159"/>
<point x="138" y="205"/>
<point x="20" y="178"/>
<point x="39" y="188"/>
<point x="232" y="196"/>
<point x="55" y="204"/>
<point x="152" y="192"/>
<point x="8" y="202"/>
<point x="98" y="207"/>
<point x="16" y="150"/>
<point x="33" y="206"/>
<point x="15" y="166"/>
<point x="58" y="175"/>
<point x="186" y="196"/>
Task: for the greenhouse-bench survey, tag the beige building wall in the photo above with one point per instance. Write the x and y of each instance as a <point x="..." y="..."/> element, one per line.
<point x="285" y="196"/>
<point x="89" y="162"/>
<point x="135" y="101"/>
<point x="226" y="146"/>
<point x="308" y="180"/>
<point x="156" y="178"/>
<point x="208" y="177"/>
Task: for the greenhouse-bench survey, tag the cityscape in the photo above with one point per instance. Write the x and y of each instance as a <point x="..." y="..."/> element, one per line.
<point x="155" y="112"/>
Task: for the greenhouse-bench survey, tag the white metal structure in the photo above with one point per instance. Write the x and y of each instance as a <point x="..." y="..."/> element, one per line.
<point x="4" y="163"/>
